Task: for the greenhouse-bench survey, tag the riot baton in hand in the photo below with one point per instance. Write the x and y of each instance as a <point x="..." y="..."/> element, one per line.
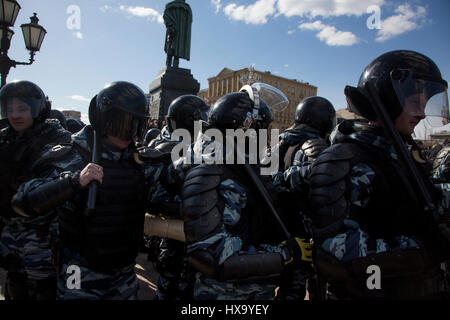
<point x="400" y="148"/>
<point x="93" y="186"/>
<point x="265" y="195"/>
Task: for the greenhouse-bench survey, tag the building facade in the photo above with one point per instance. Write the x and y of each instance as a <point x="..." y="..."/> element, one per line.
<point x="72" y="114"/>
<point x="231" y="81"/>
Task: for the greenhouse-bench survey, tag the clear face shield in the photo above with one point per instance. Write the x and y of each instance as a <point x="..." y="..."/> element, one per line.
<point x="18" y="107"/>
<point x="271" y="96"/>
<point x="422" y="96"/>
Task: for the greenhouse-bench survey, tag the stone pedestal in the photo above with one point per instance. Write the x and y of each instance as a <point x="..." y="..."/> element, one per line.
<point x="170" y="84"/>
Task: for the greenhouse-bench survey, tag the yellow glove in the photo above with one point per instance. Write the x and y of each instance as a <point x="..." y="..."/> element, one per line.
<point x="297" y="252"/>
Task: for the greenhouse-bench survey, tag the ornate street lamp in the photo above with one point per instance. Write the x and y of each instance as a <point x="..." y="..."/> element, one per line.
<point x="33" y="35"/>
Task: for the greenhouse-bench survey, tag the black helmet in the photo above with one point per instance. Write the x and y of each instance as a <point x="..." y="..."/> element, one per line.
<point x="74" y="125"/>
<point x="121" y="110"/>
<point x="317" y="112"/>
<point x="232" y="111"/>
<point x="29" y="93"/>
<point x="184" y="110"/>
<point x="398" y="76"/>
<point x="151" y="134"/>
<point x="56" y="114"/>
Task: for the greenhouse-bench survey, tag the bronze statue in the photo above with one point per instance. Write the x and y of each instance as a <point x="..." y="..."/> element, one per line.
<point x="178" y="20"/>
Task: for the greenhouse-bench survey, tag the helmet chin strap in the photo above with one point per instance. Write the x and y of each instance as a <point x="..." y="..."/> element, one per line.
<point x="256" y="100"/>
<point x="254" y="96"/>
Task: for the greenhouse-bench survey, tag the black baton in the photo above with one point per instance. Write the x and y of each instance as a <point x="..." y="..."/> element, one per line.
<point x="93" y="185"/>
<point x="265" y="195"/>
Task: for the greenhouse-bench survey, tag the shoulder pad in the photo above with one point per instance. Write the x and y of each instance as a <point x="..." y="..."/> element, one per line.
<point x="200" y="198"/>
<point x="53" y="153"/>
<point x="312" y="148"/>
<point x="332" y="165"/>
<point x="153" y="155"/>
<point x="328" y="186"/>
<point x="167" y="146"/>
<point x="200" y="179"/>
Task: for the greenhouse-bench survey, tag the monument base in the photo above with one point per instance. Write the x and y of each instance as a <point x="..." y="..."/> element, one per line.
<point x="169" y="85"/>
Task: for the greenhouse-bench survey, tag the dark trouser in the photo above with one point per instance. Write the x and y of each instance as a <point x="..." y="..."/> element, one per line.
<point x="19" y="287"/>
<point x="175" y="281"/>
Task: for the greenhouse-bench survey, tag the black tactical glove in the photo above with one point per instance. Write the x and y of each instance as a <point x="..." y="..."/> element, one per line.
<point x="297" y="253"/>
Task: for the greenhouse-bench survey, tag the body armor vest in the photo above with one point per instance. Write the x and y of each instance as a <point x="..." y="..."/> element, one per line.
<point x="391" y="212"/>
<point x="109" y="237"/>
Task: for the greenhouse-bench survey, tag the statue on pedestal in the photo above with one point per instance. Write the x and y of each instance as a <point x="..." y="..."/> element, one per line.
<point x="178" y="20"/>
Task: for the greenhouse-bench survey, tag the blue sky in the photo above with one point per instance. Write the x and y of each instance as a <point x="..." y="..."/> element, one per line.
<point x="326" y="43"/>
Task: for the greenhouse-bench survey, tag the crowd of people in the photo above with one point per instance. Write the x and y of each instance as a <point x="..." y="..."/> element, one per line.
<point x="345" y="197"/>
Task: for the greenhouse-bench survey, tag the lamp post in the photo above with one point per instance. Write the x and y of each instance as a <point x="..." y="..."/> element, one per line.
<point x="33" y="35"/>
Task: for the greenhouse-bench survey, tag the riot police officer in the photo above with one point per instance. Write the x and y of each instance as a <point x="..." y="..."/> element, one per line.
<point x="367" y="207"/>
<point x="174" y="278"/>
<point x="232" y="241"/>
<point x="299" y="146"/>
<point x="315" y="117"/>
<point x="25" y="244"/>
<point x="101" y="240"/>
<point x="58" y="115"/>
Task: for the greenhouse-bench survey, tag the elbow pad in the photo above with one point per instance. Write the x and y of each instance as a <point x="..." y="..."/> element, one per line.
<point x="204" y="262"/>
<point x="253" y="267"/>
<point x="45" y="198"/>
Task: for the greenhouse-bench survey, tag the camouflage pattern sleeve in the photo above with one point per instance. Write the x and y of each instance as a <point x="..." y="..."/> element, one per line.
<point x="159" y="197"/>
<point x="355" y="243"/>
<point x="63" y="161"/>
<point x="293" y="179"/>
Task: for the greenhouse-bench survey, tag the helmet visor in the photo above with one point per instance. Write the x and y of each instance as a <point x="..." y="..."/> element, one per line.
<point x="124" y="125"/>
<point x="201" y="114"/>
<point x="423" y="96"/>
<point x="14" y="107"/>
<point x="274" y="98"/>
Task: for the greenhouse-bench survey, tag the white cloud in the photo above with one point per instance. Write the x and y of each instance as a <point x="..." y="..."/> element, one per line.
<point x="290" y="32"/>
<point x="286" y="65"/>
<point x="217" y="4"/>
<point x="325" y="8"/>
<point x="256" y="13"/>
<point x="78" y="34"/>
<point x="149" y="13"/>
<point x="405" y="20"/>
<point x="79" y="98"/>
<point x="330" y="35"/>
